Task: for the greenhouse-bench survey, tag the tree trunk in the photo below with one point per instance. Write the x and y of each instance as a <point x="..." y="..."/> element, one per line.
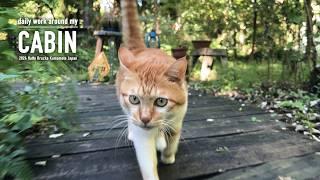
<point x="254" y="27"/>
<point x="87" y="13"/>
<point x="156" y="17"/>
<point x="235" y="54"/>
<point x="311" y="52"/>
<point x="299" y="36"/>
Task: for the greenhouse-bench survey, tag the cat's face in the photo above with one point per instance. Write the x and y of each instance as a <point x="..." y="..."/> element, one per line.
<point x="151" y="90"/>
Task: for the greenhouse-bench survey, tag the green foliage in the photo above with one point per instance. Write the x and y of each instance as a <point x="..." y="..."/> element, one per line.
<point x="7" y="56"/>
<point x="237" y="75"/>
<point x="12" y="162"/>
<point x="40" y="101"/>
<point x="11" y="151"/>
<point x="300" y="104"/>
<point x="31" y="94"/>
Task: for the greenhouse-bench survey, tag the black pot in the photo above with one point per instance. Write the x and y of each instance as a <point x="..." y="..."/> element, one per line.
<point x="198" y="44"/>
<point x="179" y="52"/>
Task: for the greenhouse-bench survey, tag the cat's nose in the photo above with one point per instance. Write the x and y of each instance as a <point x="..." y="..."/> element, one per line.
<point x="145" y="120"/>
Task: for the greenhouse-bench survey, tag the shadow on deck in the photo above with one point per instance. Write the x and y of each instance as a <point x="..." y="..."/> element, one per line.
<point x="219" y="142"/>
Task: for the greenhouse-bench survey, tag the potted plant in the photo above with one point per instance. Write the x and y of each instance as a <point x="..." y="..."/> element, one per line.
<point x="202" y="41"/>
<point x="179" y="49"/>
<point x="179" y="52"/>
<point x="198" y="44"/>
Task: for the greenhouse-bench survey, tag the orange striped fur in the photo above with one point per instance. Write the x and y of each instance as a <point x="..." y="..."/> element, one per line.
<point x="149" y="74"/>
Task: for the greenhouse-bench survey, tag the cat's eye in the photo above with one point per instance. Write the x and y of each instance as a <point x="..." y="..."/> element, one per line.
<point x="134" y="99"/>
<point x="161" y="102"/>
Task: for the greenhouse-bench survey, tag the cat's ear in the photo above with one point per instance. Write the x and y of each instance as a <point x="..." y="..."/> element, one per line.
<point x="177" y="71"/>
<point x="126" y="57"/>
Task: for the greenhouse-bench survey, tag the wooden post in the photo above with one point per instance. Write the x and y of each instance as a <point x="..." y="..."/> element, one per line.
<point x="224" y="61"/>
<point x="112" y="54"/>
<point x="205" y="67"/>
<point x="99" y="45"/>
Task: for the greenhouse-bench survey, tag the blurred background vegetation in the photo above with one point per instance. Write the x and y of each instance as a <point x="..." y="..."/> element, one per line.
<point x="272" y="49"/>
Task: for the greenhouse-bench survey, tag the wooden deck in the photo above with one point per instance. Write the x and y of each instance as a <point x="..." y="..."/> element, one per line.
<point x="219" y="142"/>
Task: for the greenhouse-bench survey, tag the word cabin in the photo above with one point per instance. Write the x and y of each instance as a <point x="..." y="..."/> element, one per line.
<point x="48" y="43"/>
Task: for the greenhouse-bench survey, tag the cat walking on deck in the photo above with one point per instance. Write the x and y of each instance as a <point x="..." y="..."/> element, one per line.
<point x="152" y="91"/>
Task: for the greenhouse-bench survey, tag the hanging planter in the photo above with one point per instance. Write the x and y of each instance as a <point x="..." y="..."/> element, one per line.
<point x="179" y="52"/>
<point x="198" y="44"/>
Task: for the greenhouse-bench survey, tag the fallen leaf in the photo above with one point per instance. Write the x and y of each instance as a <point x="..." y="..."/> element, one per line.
<point x="289" y="115"/>
<point x="299" y="128"/>
<point x="254" y="119"/>
<point x="222" y="149"/>
<point x="263" y="105"/>
<point x="53" y="136"/>
<point x="315" y="131"/>
<point x="284" y="178"/>
<point x="315" y="102"/>
<point x="40" y="163"/>
<point x="86" y="134"/>
<point x="56" y="156"/>
<point x="210" y="120"/>
<point x="315" y="138"/>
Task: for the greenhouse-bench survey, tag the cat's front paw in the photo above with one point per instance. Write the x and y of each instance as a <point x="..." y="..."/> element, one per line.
<point x="168" y="159"/>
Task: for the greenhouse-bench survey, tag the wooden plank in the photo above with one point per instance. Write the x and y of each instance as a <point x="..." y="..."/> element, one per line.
<point x="116" y="110"/>
<point x="304" y="167"/>
<point x="108" y="139"/>
<point x="106" y="125"/>
<point x="257" y="144"/>
<point x="106" y="33"/>
<point x="106" y="101"/>
<point x="193" y="99"/>
<point x="209" y="52"/>
<point x="199" y="112"/>
<point x="194" y="159"/>
<point x="88" y="102"/>
<point x="102" y="129"/>
<point x="216" y="106"/>
<point x="92" y="88"/>
<point x="87" y="88"/>
<point x="214" y="115"/>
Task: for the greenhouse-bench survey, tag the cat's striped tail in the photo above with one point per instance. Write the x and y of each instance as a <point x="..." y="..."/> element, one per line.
<point x="131" y="32"/>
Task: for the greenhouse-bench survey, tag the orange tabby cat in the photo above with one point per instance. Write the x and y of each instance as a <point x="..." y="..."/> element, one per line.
<point x="152" y="91"/>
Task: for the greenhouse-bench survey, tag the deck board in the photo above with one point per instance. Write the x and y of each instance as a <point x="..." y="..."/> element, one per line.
<point x="302" y="167"/>
<point x="254" y="146"/>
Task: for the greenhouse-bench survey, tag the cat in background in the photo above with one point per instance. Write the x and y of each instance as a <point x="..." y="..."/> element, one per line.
<point x="152" y="92"/>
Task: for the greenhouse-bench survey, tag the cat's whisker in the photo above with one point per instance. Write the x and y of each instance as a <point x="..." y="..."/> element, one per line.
<point x="126" y="138"/>
<point x="123" y="131"/>
<point x="119" y="138"/>
<point x="167" y="132"/>
<point x="120" y="119"/>
<point x="169" y="125"/>
<point x="115" y="126"/>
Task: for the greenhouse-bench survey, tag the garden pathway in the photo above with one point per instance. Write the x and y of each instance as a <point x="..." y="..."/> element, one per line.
<point x="222" y="139"/>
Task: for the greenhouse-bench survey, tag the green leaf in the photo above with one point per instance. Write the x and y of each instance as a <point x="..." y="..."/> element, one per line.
<point x="3" y="22"/>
